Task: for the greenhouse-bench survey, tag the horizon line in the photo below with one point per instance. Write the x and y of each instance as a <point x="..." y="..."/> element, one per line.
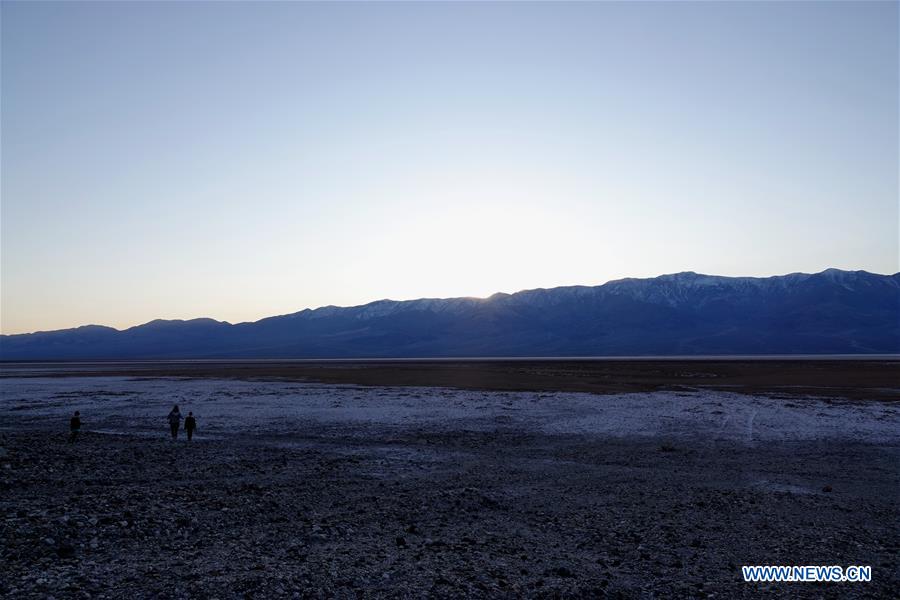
<point x="427" y="359"/>
<point x="483" y="298"/>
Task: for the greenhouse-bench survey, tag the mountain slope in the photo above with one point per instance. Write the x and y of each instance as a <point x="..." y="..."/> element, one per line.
<point x="682" y="314"/>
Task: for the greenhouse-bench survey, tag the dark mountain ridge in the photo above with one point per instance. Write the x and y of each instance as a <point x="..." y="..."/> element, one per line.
<point x="832" y="312"/>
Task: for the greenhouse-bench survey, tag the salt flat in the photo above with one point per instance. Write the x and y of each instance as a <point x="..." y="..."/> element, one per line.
<point x="225" y="407"/>
<point x="294" y="489"/>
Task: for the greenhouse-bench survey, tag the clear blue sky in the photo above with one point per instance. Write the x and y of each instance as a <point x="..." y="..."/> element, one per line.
<point x="239" y="160"/>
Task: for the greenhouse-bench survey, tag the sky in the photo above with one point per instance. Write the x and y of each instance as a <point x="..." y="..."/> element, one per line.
<point x="248" y="159"/>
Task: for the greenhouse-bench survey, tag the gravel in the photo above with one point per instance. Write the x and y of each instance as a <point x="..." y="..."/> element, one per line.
<point x="448" y="510"/>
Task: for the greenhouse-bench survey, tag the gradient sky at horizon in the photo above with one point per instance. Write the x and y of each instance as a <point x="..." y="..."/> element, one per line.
<point x="241" y="160"/>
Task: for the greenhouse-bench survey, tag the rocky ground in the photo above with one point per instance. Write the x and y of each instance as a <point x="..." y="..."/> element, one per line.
<point x="348" y="511"/>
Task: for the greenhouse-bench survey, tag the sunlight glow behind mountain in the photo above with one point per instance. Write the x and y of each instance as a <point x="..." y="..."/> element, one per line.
<point x="272" y="156"/>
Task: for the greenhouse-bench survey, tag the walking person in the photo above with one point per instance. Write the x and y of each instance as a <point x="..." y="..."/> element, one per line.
<point x="174" y="421"/>
<point x="190" y="424"/>
<point x="74" y="427"/>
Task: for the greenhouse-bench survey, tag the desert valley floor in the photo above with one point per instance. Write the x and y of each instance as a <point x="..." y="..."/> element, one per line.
<point x="392" y="481"/>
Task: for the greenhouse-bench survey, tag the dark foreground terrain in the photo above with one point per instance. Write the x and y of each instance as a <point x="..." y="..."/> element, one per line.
<point x="357" y="480"/>
<point x="455" y="514"/>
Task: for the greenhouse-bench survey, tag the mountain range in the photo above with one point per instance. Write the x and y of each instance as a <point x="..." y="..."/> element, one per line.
<point x="832" y="312"/>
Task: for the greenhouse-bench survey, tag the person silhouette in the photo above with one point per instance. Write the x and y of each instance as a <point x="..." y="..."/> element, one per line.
<point x="74" y="426"/>
<point x="190" y="424"/>
<point x="174" y="421"/>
